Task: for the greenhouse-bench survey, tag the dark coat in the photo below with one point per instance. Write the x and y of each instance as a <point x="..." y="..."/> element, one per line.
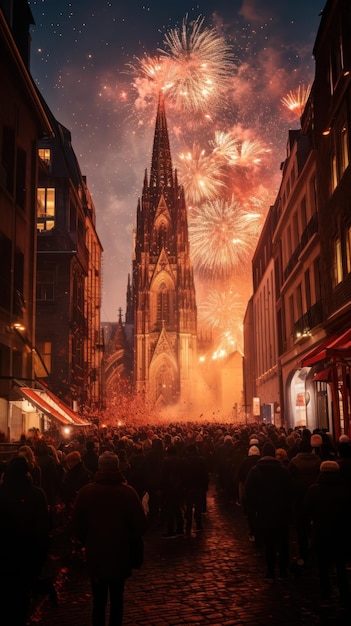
<point x="268" y="493"/>
<point x="171" y="483"/>
<point x="195" y="472"/>
<point x="74" y="479"/>
<point x="91" y="460"/>
<point x="108" y="518"/>
<point x="328" y="505"/>
<point x="304" y="469"/>
<point x="24" y="528"/>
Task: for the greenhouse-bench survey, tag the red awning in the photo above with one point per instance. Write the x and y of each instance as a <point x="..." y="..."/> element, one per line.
<point x="79" y="421"/>
<point x="52" y="406"/>
<point x="337" y="347"/>
<point x="323" y="375"/>
<point x="35" y="398"/>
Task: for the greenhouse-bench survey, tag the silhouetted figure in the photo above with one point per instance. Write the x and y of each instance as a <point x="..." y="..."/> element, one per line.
<point x="90" y="458"/>
<point x="195" y="479"/>
<point x="109" y="520"/>
<point x="269" y="499"/>
<point x="24" y="530"/>
<point x="172" y="494"/>
<point x="328" y="504"/>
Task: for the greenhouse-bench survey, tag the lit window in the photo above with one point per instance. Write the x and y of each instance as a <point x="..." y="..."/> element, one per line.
<point x="163" y="305"/>
<point x="44" y="348"/>
<point x="45" y="155"/>
<point x="45" y="208"/>
<point x="334" y="173"/>
<point x="337" y="262"/>
<point x="344" y="148"/>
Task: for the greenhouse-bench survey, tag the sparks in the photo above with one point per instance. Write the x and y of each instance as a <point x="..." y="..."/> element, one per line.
<point x="201" y="175"/>
<point x="200" y="66"/>
<point x="222" y="237"/>
<point x="193" y="70"/>
<point x="296" y="99"/>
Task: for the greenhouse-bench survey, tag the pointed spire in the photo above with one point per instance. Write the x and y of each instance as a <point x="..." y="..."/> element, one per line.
<point x="161" y="164"/>
<point x="145" y="180"/>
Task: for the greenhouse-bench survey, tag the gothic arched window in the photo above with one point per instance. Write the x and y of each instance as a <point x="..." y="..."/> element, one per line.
<point x="162" y="236"/>
<point x="163" y="304"/>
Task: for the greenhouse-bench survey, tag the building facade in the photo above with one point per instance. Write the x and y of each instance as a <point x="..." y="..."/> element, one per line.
<point x="23" y="121"/>
<point x="163" y="301"/>
<point x="311" y="247"/>
<point x="69" y="268"/>
<point x="50" y="254"/>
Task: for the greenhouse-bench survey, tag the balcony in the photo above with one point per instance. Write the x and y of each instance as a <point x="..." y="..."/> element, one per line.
<point x="304" y="325"/>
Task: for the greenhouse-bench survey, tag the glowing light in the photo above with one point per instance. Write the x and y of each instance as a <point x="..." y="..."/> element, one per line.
<point x="296" y="99"/>
<point x="201" y="175"/>
<point x="222" y="237"/>
<point x="200" y="68"/>
<point x="221" y="309"/>
<point x="193" y="70"/>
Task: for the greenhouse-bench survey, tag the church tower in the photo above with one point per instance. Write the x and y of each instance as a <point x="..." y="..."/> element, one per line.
<point x="164" y="303"/>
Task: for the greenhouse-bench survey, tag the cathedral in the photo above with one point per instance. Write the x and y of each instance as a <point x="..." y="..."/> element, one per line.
<point x="162" y="301"/>
<point x="157" y="353"/>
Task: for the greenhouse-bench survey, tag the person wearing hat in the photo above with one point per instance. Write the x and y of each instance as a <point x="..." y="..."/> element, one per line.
<point x="109" y="521"/>
<point x="328" y="505"/>
<point x="75" y="477"/>
<point x="253" y="455"/>
<point x="268" y="492"/>
<point x="304" y="469"/>
<point x="24" y="528"/>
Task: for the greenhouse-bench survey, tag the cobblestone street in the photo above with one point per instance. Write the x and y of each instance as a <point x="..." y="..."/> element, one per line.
<point x="213" y="577"/>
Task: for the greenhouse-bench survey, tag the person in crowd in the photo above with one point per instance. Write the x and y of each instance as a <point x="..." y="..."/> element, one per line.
<point x="90" y="457"/>
<point x="109" y="521"/>
<point x="282" y="456"/>
<point x="328" y="505"/>
<point x="50" y="476"/>
<point x="124" y="465"/>
<point x="223" y="464"/>
<point x="322" y="446"/>
<point x="239" y="454"/>
<point x="33" y="467"/>
<point x="268" y="492"/>
<point x="76" y="476"/>
<point x="292" y="442"/>
<point x="196" y="482"/>
<point x="304" y="470"/>
<point x="24" y="528"/>
<point x="137" y="469"/>
<point x="253" y="455"/>
<point x="172" y="493"/>
<point x="153" y="467"/>
<point x="250" y="461"/>
<point x="343" y="459"/>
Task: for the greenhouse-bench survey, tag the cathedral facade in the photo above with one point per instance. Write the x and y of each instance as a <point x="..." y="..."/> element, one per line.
<point x="162" y="301"/>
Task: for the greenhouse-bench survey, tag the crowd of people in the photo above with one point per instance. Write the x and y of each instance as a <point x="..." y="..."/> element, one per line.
<point x="285" y="481"/>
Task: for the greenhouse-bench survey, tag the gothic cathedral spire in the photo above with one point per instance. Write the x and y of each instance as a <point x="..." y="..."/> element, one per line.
<point x="165" y="315"/>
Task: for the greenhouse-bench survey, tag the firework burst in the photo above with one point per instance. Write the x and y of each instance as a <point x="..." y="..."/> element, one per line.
<point x="200" y="68"/>
<point x="222" y="237"/>
<point x="226" y="147"/>
<point x="193" y="70"/>
<point x="222" y="312"/>
<point x="296" y="99"/>
<point x="200" y="174"/>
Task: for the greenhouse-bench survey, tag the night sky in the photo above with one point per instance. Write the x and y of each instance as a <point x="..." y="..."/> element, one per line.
<point x="86" y="59"/>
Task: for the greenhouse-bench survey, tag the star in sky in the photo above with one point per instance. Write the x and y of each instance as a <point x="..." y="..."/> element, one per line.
<point x="86" y="58"/>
